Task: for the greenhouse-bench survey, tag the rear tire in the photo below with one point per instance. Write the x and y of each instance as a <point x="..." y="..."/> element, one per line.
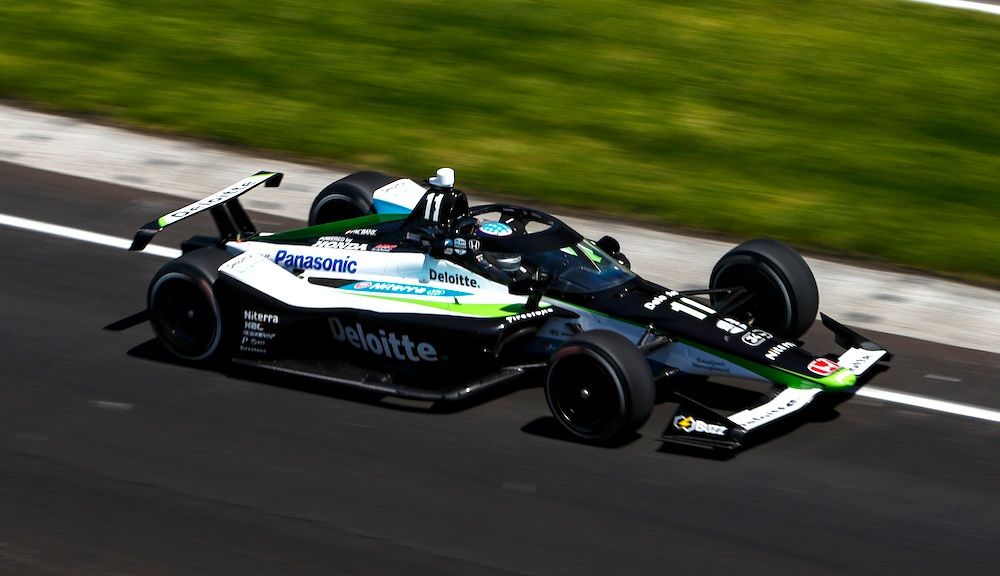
<point x="599" y="387"/>
<point x="349" y="197"/>
<point x="785" y="296"/>
<point x="183" y="306"/>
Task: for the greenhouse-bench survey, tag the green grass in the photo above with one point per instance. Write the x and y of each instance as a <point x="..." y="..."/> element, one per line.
<point x="859" y="127"/>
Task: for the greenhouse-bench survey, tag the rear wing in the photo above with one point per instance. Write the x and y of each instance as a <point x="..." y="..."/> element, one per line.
<point x="229" y="216"/>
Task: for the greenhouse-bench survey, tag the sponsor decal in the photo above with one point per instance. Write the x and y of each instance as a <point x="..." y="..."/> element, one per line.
<point x="460" y="246"/>
<point x="823" y="366"/>
<point x="382" y="343"/>
<point x="731" y="326"/>
<point x="244" y="262"/>
<point x="257" y="331"/>
<point x="474" y="244"/>
<point x="361" y="232"/>
<point x="691" y="424"/>
<point x="383" y="247"/>
<point x="529" y="315"/>
<point x="711" y="364"/>
<point x="652" y="304"/>
<point x="495" y="229"/>
<point x="396" y="288"/>
<point x="756" y="337"/>
<point x="254" y="316"/>
<point x="302" y="262"/>
<point x="217" y="198"/>
<point x="774" y="351"/>
<point x="398" y="197"/>
<point x="682" y="304"/>
<point x="339" y="243"/>
<point x="772" y="413"/>
<point x="449" y="278"/>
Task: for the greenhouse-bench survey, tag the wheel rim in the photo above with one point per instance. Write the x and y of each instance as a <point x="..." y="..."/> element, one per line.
<point x="585" y="395"/>
<point x="771" y="306"/>
<point x="184" y="317"/>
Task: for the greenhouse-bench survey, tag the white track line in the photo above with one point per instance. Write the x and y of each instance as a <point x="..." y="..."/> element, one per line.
<point x="964" y="5"/>
<point x="83" y="235"/>
<point x="123" y="243"/>
<point x="929" y="403"/>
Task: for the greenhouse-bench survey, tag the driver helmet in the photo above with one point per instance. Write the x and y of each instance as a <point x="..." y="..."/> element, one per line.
<point x="506" y="261"/>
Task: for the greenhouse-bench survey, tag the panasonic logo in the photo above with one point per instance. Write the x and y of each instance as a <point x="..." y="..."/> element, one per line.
<point x="301" y="262"/>
<point x="386" y="344"/>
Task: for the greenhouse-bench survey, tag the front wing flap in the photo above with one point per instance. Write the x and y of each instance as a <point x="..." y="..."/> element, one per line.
<point x="695" y="424"/>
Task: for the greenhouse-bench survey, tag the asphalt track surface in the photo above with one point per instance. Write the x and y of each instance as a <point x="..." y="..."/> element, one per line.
<point x="114" y="459"/>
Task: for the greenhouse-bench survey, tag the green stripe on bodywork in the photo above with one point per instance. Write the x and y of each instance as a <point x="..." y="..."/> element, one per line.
<point x="842" y="378"/>
<point x="481" y="310"/>
<point x="330" y="228"/>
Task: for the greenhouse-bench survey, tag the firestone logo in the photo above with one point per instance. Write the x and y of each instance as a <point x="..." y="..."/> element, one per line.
<point x="529" y="315"/>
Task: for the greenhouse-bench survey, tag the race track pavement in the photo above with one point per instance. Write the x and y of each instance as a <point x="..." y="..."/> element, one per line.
<point x="912" y="305"/>
<point x="118" y="460"/>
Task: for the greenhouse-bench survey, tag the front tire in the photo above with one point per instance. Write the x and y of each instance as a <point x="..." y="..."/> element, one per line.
<point x="349" y="197"/>
<point x="184" y="309"/>
<point x="785" y="298"/>
<point x="599" y="387"/>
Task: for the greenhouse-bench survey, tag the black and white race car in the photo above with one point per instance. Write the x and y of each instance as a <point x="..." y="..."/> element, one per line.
<point x="401" y="288"/>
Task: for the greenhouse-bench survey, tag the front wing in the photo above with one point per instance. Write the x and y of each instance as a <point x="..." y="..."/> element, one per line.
<point x="695" y="424"/>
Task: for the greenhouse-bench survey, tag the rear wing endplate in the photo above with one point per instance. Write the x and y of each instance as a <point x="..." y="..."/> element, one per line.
<point x="229" y="216"/>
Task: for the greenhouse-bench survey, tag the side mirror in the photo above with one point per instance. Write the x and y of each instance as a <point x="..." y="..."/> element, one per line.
<point x="524" y="287"/>
<point x="533" y="288"/>
<point x="609" y="245"/>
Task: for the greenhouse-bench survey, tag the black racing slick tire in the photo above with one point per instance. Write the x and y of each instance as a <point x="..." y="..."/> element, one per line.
<point x="599" y="387"/>
<point x="349" y="197"/>
<point x="184" y="308"/>
<point x="784" y="298"/>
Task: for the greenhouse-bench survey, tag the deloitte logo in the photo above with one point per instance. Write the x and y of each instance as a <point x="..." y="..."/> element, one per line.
<point x="449" y="278"/>
<point x="384" y="344"/>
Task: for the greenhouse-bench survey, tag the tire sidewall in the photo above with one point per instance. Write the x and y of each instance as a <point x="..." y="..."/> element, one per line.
<point x="206" y="290"/>
<point x="628" y="370"/>
<point x="787" y="270"/>
<point x="199" y="269"/>
<point x="356" y="190"/>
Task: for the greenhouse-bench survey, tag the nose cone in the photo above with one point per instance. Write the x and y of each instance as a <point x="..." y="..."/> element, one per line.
<point x="842" y="378"/>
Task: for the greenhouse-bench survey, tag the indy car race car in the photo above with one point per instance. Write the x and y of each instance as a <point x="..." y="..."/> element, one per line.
<point x="401" y="288"/>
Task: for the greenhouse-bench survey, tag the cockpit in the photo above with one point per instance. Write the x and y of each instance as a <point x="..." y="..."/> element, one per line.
<point x="514" y="243"/>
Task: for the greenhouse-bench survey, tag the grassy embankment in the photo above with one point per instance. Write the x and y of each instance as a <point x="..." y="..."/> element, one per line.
<point x="861" y="127"/>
